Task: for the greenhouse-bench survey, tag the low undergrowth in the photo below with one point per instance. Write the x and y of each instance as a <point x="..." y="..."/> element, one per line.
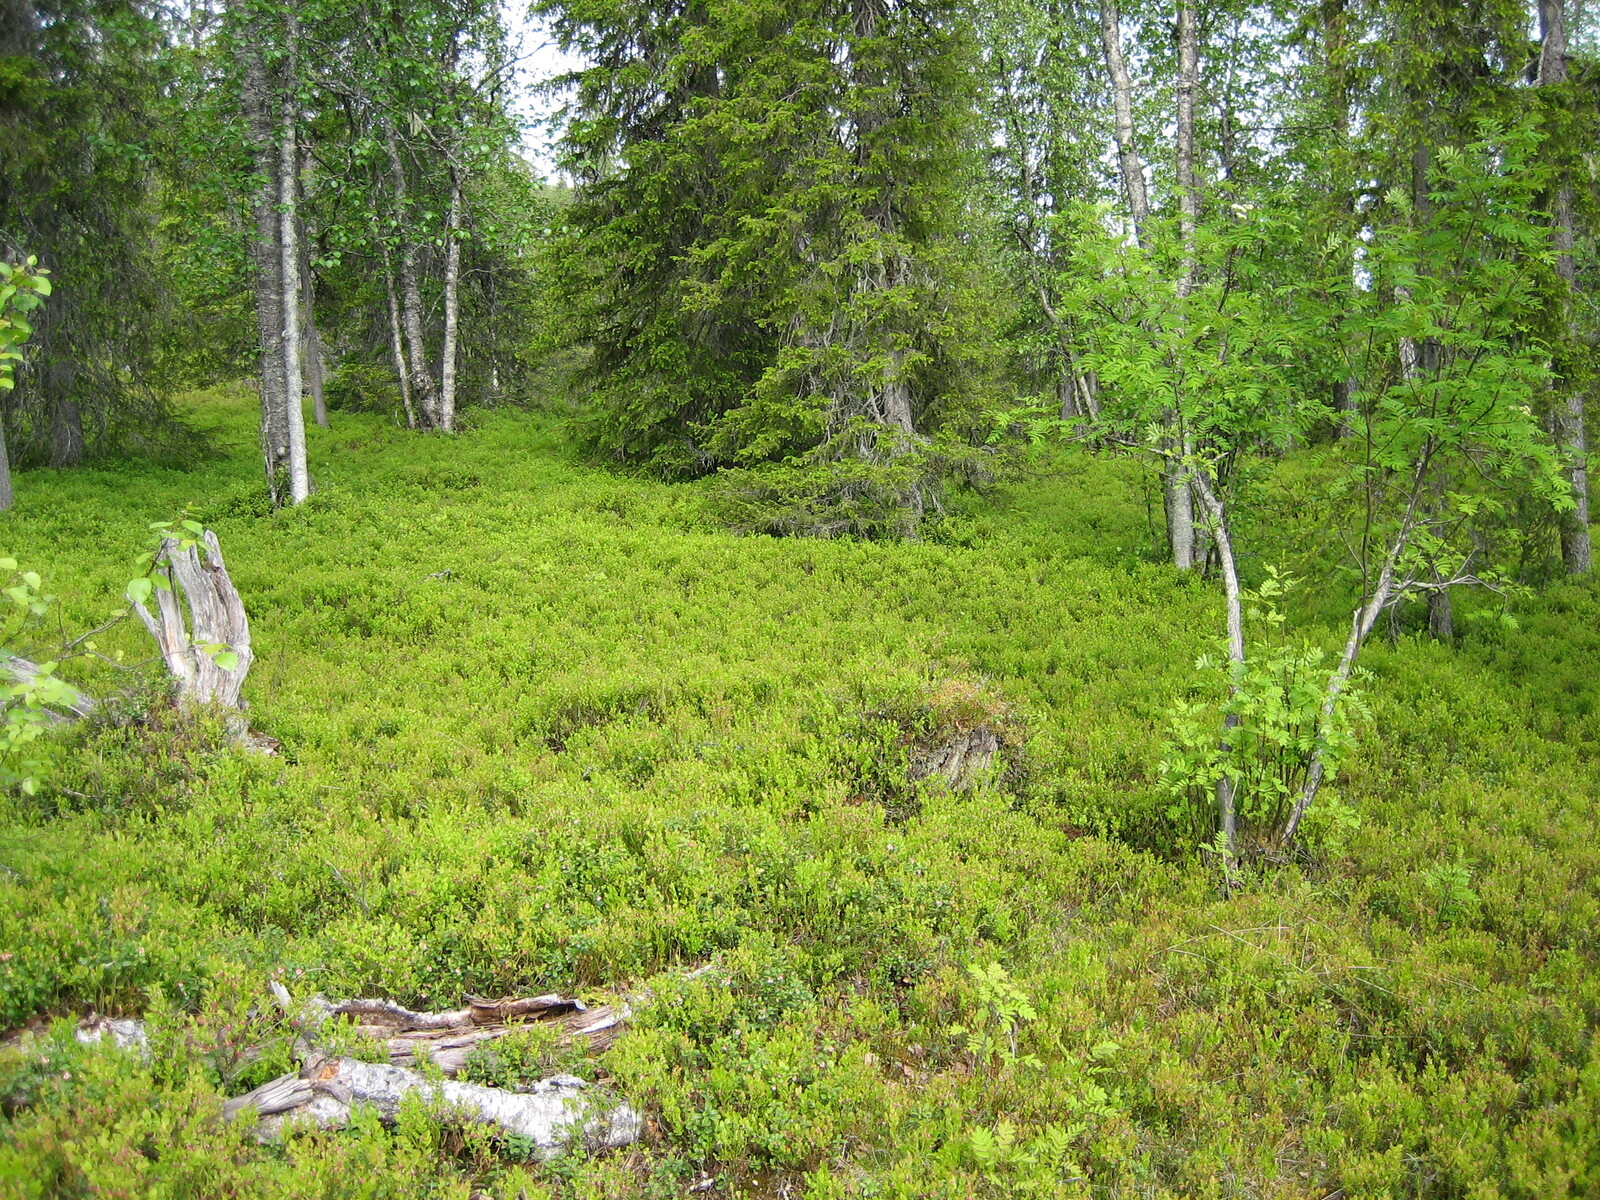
<point x="546" y="729"/>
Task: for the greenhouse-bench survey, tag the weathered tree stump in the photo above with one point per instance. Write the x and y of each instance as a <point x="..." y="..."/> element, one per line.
<point x="961" y="759"/>
<point x="205" y="674"/>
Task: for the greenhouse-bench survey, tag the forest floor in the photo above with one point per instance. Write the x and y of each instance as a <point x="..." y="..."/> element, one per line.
<point x="545" y="728"/>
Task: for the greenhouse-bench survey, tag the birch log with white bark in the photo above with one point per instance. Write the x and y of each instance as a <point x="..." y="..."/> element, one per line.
<point x="553" y="1114"/>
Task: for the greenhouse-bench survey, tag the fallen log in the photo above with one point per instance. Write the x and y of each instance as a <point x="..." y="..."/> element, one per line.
<point x="448" y="1038"/>
<point x="73" y="705"/>
<point x="550" y="1115"/>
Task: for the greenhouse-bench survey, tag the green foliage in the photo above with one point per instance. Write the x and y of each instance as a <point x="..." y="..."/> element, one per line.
<point x="615" y="753"/>
<point x="23" y="287"/>
<point x="1000" y="1009"/>
<point x="1275" y="702"/>
<point x="768" y="262"/>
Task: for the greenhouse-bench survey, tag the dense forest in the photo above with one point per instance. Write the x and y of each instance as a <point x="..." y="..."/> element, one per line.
<point x="896" y="598"/>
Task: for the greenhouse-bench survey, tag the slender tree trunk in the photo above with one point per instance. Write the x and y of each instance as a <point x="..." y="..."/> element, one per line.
<point x="310" y="336"/>
<point x="68" y="447"/>
<point x="401" y="371"/>
<point x="1179" y="497"/>
<point x="289" y="242"/>
<point x="1217" y="518"/>
<point x="1335" y="22"/>
<point x="1576" y="552"/>
<point x="452" y="281"/>
<point x="8" y="497"/>
<point x="1122" y="106"/>
<point x="1361" y="625"/>
<point x="411" y="293"/>
<point x="1188" y="188"/>
<point x="266" y="254"/>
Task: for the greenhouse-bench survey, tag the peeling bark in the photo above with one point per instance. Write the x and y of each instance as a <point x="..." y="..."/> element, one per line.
<point x="1122" y="107"/>
<point x="266" y="256"/>
<point x="553" y="1114"/>
<point x="289" y="275"/>
<point x="452" y="307"/>
<point x="216" y="617"/>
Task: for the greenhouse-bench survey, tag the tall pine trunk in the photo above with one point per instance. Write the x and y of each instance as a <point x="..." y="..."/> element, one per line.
<point x="1567" y="415"/>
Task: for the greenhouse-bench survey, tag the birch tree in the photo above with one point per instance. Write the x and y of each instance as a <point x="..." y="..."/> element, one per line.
<point x="1567" y="416"/>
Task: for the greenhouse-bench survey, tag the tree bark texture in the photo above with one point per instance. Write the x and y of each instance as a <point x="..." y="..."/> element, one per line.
<point x="68" y="447"/>
<point x="452" y="306"/>
<point x="310" y="336"/>
<point x="1568" y="424"/>
<point x="289" y="277"/>
<point x="1128" y="160"/>
<point x="266" y="256"/>
<point x="216" y="617"/>
<point x="8" y="495"/>
<point x="411" y="292"/>
<point x="1217" y="518"/>
<point x="1178" y="493"/>
<point x="397" y="346"/>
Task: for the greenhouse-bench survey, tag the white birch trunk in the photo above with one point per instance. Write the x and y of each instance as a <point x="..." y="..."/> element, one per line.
<point x="1568" y="426"/>
<point x="1217" y="517"/>
<point x="397" y="347"/>
<point x="289" y="242"/>
<point x="1366" y="616"/>
<point x="411" y="293"/>
<point x="452" y="290"/>
<point x="1122" y="108"/>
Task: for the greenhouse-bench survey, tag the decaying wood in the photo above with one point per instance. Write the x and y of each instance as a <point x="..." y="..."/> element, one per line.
<point x="77" y="706"/>
<point x="216" y="617"/>
<point x="550" y="1115"/>
<point x="448" y="1038"/>
<point x="961" y="759"/>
